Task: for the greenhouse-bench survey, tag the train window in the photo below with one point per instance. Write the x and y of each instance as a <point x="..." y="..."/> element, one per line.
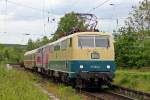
<point x="86" y="41"/>
<point x="57" y="47"/>
<point x="93" y="41"/>
<point x="64" y="44"/>
<point x="101" y="41"/>
<point x="51" y="48"/>
<point x="40" y="50"/>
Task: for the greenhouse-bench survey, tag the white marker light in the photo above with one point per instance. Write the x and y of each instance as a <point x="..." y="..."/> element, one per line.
<point x="108" y="66"/>
<point x="81" y="66"/>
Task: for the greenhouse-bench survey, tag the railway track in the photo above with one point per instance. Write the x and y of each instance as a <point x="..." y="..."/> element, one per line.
<point x="105" y="95"/>
<point x="117" y="93"/>
<point x="114" y="93"/>
<point x="139" y="95"/>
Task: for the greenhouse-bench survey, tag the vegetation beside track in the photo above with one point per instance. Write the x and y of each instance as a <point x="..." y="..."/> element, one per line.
<point x="61" y="91"/>
<point x="18" y="85"/>
<point x="133" y="79"/>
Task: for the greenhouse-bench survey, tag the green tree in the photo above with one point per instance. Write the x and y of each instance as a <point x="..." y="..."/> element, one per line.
<point x="140" y="17"/>
<point x="67" y="24"/>
<point x="38" y="43"/>
<point x="131" y="50"/>
<point x="45" y="40"/>
<point x="133" y="41"/>
<point x="1" y="53"/>
<point x="30" y="45"/>
<point x="13" y="54"/>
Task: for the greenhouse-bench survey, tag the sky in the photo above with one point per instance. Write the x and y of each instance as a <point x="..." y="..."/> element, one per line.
<point x="21" y="20"/>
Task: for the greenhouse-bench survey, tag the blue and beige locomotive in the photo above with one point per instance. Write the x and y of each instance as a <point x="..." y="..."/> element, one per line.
<point x="83" y="59"/>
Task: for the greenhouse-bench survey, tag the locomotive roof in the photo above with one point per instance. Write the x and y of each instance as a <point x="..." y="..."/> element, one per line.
<point x="72" y="35"/>
<point x="66" y="37"/>
<point x="31" y="52"/>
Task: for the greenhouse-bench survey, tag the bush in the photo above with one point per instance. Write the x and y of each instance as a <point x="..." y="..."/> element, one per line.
<point x="133" y="79"/>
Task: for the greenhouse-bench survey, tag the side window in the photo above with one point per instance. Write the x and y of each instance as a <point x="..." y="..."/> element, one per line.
<point x="51" y="48"/>
<point x="57" y="47"/>
<point x="64" y="45"/>
<point x="39" y="51"/>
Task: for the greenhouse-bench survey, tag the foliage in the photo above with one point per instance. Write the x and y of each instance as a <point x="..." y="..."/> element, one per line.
<point x="38" y="43"/>
<point x="16" y="85"/>
<point x="140" y="17"/>
<point x="133" y="41"/>
<point x="67" y="23"/>
<point x="11" y="54"/>
<point x="30" y="45"/>
<point x="132" y="49"/>
<point x="133" y="79"/>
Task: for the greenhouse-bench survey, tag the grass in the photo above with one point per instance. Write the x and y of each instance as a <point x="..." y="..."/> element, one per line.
<point x="61" y="91"/>
<point x="134" y="79"/>
<point x="18" y="85"/>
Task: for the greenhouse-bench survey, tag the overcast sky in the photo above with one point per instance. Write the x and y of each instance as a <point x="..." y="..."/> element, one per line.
<point x="21" y="17"/>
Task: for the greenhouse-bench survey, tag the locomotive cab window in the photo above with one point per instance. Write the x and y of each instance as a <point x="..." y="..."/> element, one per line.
<point x="93" y="41"/>
<point x="102" y="41"/>
<point x="86" y="41"/>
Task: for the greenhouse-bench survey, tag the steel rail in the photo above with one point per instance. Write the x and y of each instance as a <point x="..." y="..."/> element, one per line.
<point x="132" y="92"/>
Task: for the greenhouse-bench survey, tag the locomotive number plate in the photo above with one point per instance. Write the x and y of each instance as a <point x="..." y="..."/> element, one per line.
<point x="95" y="55"/>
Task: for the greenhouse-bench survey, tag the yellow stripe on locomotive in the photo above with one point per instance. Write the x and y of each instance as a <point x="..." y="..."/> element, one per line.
<point x="68" y="48"/>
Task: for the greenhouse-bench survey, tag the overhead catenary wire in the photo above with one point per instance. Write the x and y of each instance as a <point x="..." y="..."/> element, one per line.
<point x="26" y="6"/>
<point x="98" y="6"/>
<point x="30" y="7"/>
<point x="117" y="19"/>
<point x="43" y="11"/>
<point x="44" y="25"/>
<point x="101" y="4"/>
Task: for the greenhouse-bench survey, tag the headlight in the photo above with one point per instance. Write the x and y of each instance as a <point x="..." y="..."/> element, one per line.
<point x="81" y="66"/>
<point x="108" y="66"/>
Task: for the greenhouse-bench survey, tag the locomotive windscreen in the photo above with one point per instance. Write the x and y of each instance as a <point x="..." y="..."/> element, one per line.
<point x="93" y="41"/>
